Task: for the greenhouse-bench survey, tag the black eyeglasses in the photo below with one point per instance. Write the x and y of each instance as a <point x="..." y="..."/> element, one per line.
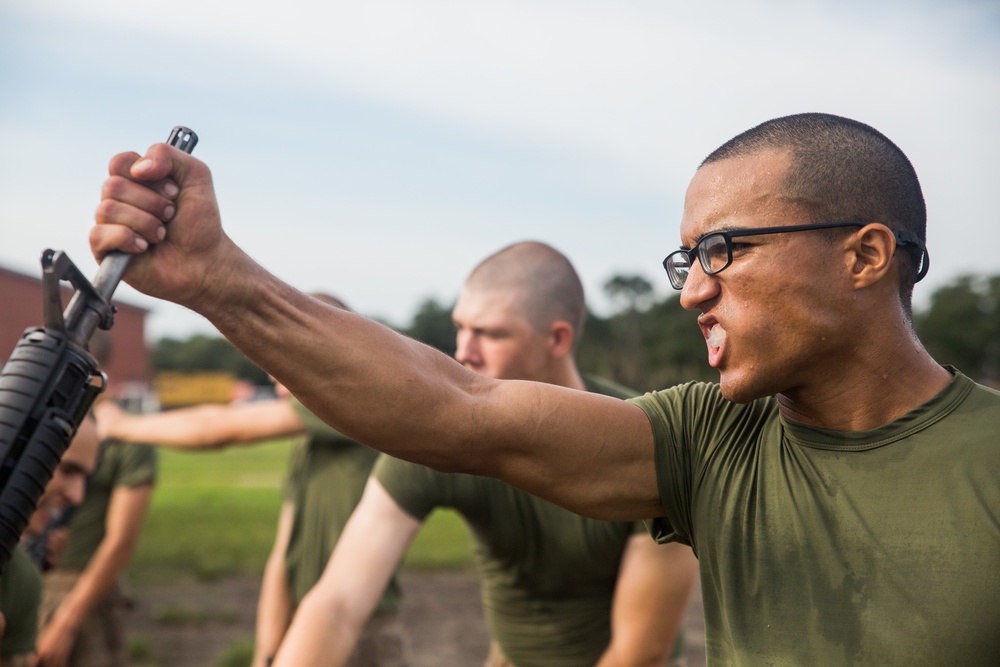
<point x="715" y="250"/>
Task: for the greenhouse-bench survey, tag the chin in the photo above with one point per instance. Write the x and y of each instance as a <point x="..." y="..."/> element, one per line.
<point x="740" y="390"/>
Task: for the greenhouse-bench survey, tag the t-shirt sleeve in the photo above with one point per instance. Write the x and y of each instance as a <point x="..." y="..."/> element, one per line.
<point x="695" y="429"/>
<point x="138" y="465"/>
<point x="20" y="597"/>
<point x="415" y="488"/>
<point x="298" y="461"/>
<point x="678" y="417"/>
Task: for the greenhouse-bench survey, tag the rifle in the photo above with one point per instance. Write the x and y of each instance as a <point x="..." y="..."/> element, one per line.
<point x="50" y="381"/>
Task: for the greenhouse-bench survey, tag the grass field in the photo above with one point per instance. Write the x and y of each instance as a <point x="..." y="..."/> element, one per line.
<point x="214" y="513"/>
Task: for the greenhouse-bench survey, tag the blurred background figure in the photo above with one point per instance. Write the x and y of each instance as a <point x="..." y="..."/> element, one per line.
<point x="21" y="583"/>
<point x="84" y="607"/>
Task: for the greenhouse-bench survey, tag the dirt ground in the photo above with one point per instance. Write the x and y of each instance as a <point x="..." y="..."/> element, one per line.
<point x="194" y="624"/>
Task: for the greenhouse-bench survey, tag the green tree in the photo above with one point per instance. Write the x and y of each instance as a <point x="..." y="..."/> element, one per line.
<point x="635" y="290"/>
<point x="595" y="347"/>
<point x="674" y="345"/>
<point x="432" y="324"/>
<point x="205" y="353"/>
<point x="630" y="366"/>
<point x="962" y="326"/>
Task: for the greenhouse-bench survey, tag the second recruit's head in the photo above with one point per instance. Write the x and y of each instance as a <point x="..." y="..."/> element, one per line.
<point x="781" y="309"/>
<point x="519" y="314"/>
<point x="69" y="480"/>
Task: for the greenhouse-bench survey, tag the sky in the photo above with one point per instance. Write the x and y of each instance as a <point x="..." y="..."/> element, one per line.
<point x="378" y="150"/>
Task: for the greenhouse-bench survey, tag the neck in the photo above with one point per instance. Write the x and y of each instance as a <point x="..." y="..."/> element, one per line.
<point x="874" y="385"/>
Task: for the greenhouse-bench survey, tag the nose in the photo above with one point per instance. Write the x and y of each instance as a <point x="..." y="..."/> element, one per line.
<point x="698" y="288"/>
<point x="466" y="348"/>
<point x="75" y="488"/>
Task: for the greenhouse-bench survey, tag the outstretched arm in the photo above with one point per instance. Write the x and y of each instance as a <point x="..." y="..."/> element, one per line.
<point x="332" y="615"/>
<point x="201" y="426"/>
<point x="651" y="596"/>
<point x="591" y="454"/>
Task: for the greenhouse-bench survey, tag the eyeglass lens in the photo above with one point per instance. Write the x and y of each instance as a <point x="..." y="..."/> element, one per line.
<point x="713" y="253"/>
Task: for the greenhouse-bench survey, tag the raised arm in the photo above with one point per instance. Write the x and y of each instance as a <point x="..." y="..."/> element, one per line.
<point x="591" y="454"/>
<point x="651" y="596"/>
<point x="201" y="426"/>
<point x="332" y="615"/>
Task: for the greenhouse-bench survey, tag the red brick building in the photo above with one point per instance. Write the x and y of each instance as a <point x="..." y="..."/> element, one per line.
<point x="21" y="307"/>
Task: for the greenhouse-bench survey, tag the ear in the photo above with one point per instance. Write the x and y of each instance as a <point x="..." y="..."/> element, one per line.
<point x="870" y="254"/>
<point x="561" y="336"/>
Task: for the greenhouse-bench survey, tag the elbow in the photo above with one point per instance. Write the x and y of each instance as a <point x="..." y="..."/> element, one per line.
<point x="333" y="611"/>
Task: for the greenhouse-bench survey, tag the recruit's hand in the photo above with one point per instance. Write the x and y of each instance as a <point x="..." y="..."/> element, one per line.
<point x="161" y="207"/>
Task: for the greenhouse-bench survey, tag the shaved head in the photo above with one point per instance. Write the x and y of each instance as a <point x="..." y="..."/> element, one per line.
<point x="843" y="170"/>
<point x="545" y="284"/>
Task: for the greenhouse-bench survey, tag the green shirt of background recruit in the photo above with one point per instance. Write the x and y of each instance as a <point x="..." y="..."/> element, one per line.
<point x="327" y="472"/>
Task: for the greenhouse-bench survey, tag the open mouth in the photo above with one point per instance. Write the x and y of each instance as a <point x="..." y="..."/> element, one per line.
<point x="716" y="339"/>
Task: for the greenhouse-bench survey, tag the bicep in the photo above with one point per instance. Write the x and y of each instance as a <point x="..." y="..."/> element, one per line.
<point x="589" y="453"/>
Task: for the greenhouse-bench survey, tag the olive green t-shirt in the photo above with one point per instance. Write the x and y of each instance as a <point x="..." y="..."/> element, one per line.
<point x="822" y="547"/>
<point x="20" y="597"/>
<point x="548" y="575"/>
<point x="120" y="464"/>
<point x="327" y="472"/>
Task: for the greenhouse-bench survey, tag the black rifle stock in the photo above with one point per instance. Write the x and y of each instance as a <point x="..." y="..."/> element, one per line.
<point x="50" y="381"/>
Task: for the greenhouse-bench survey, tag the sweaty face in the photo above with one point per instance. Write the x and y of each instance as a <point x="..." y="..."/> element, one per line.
<point x="493" y="340"/>
<point x="773" y="320"/>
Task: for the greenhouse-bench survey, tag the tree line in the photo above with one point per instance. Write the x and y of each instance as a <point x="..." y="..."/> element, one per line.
<point x="652" y="343"/>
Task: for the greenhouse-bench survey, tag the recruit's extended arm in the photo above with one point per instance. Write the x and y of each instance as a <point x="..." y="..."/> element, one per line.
<point x="201" y="426"/>
<point x="589" y="453"/>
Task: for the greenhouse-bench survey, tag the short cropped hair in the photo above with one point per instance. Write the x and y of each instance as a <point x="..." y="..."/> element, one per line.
<point x="843" y="170"/>
<point x="547" y="286"/>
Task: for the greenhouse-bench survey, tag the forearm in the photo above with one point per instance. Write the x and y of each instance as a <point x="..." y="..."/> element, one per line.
<point x="349" y="370"/>
<point x="323" y="632"/>
<point x="651" y="597"/>
<point x="274" y="610"/>
<point x="94" y="583"/>
<point x="123" y="523"/>
<point x="412" y="402"/>
<point x="190" y="428"/>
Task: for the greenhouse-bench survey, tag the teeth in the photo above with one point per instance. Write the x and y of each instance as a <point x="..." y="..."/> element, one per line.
<point x="716" y="336"/>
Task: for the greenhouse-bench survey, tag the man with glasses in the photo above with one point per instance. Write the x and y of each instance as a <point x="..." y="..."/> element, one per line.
<point x="840" y="487"/>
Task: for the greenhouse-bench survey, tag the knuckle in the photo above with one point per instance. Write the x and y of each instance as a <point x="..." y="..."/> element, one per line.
<point x="114" y="187"/>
